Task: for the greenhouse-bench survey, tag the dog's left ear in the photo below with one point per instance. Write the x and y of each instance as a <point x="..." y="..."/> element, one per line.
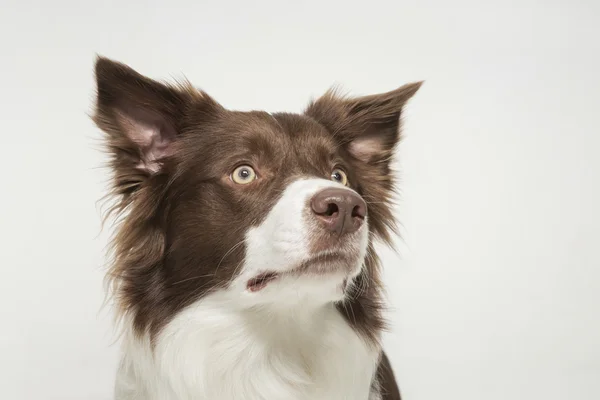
<point x="369" y="126"/>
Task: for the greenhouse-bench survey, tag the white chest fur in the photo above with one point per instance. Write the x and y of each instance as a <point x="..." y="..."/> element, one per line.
<point x="208" y="352"/>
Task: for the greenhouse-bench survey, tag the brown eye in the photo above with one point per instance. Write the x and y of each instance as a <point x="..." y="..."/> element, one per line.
<point x="339" y="176"/>
<point x="243" y="175"/>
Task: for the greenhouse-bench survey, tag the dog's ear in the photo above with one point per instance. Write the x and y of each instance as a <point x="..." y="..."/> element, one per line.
<point x="369" y="126"/>
<point x="142" y="118"/>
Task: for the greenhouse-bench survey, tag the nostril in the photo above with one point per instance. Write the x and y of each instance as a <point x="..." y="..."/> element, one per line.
<point x="332" y="209"/>
<point x="358" y="212"/>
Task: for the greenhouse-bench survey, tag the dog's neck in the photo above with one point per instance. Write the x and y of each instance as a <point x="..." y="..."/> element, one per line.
<point x="294" y="353"/>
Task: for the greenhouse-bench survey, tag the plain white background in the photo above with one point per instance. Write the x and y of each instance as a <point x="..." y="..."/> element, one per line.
<point x="495" y="292"/>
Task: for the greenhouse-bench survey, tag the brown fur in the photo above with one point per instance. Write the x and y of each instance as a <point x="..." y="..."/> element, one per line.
<point x="386" y="380"/>
<point x="182" y="233"/>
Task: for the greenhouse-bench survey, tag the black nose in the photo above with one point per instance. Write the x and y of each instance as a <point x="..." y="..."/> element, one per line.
<point x="339" y="210"/>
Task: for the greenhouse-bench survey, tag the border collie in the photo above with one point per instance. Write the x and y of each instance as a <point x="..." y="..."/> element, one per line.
<point x="243" y="264"/>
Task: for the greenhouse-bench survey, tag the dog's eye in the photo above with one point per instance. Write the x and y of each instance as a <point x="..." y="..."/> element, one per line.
<point x="339" y="176"/>
<point x="243" y="175"/>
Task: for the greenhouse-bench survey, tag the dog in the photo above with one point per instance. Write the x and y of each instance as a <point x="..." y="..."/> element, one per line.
<point x="243" y="264"/>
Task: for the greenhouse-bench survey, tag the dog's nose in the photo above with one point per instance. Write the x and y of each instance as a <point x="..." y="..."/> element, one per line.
<point x="339" y="210"/>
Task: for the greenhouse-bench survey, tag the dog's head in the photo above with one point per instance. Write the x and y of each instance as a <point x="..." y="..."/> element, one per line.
<point x="275" y="210"/>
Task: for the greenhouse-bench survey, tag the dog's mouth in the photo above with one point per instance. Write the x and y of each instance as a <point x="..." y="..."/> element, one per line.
<point x="320" y="265"/>
<point x="261" y="281"/>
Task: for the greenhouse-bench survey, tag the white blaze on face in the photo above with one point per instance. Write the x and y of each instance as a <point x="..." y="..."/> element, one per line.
<point x="282" y="242"/>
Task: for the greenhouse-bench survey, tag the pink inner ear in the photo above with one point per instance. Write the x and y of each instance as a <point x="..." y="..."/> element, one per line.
<point x="364" y="148"/>
<point x="151" y="134"/>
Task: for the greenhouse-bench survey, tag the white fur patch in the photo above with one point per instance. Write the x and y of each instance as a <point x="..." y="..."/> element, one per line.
<point x="281" y="243"/>
<point x="210" y="351"/>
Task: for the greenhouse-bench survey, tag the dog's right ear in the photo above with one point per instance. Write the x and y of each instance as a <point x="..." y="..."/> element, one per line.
<point x="142" y="118"/>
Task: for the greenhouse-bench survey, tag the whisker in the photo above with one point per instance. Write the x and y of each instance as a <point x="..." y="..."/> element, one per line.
<point x="236" y="269"/>
<point x="235" y="246"/>
<point x="190" y="279"/>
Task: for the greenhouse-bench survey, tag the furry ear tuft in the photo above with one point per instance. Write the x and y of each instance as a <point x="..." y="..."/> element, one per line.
<point x="139" y="115"/>
<point x="368" y="125"/>
<point x="142" y="118"/>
